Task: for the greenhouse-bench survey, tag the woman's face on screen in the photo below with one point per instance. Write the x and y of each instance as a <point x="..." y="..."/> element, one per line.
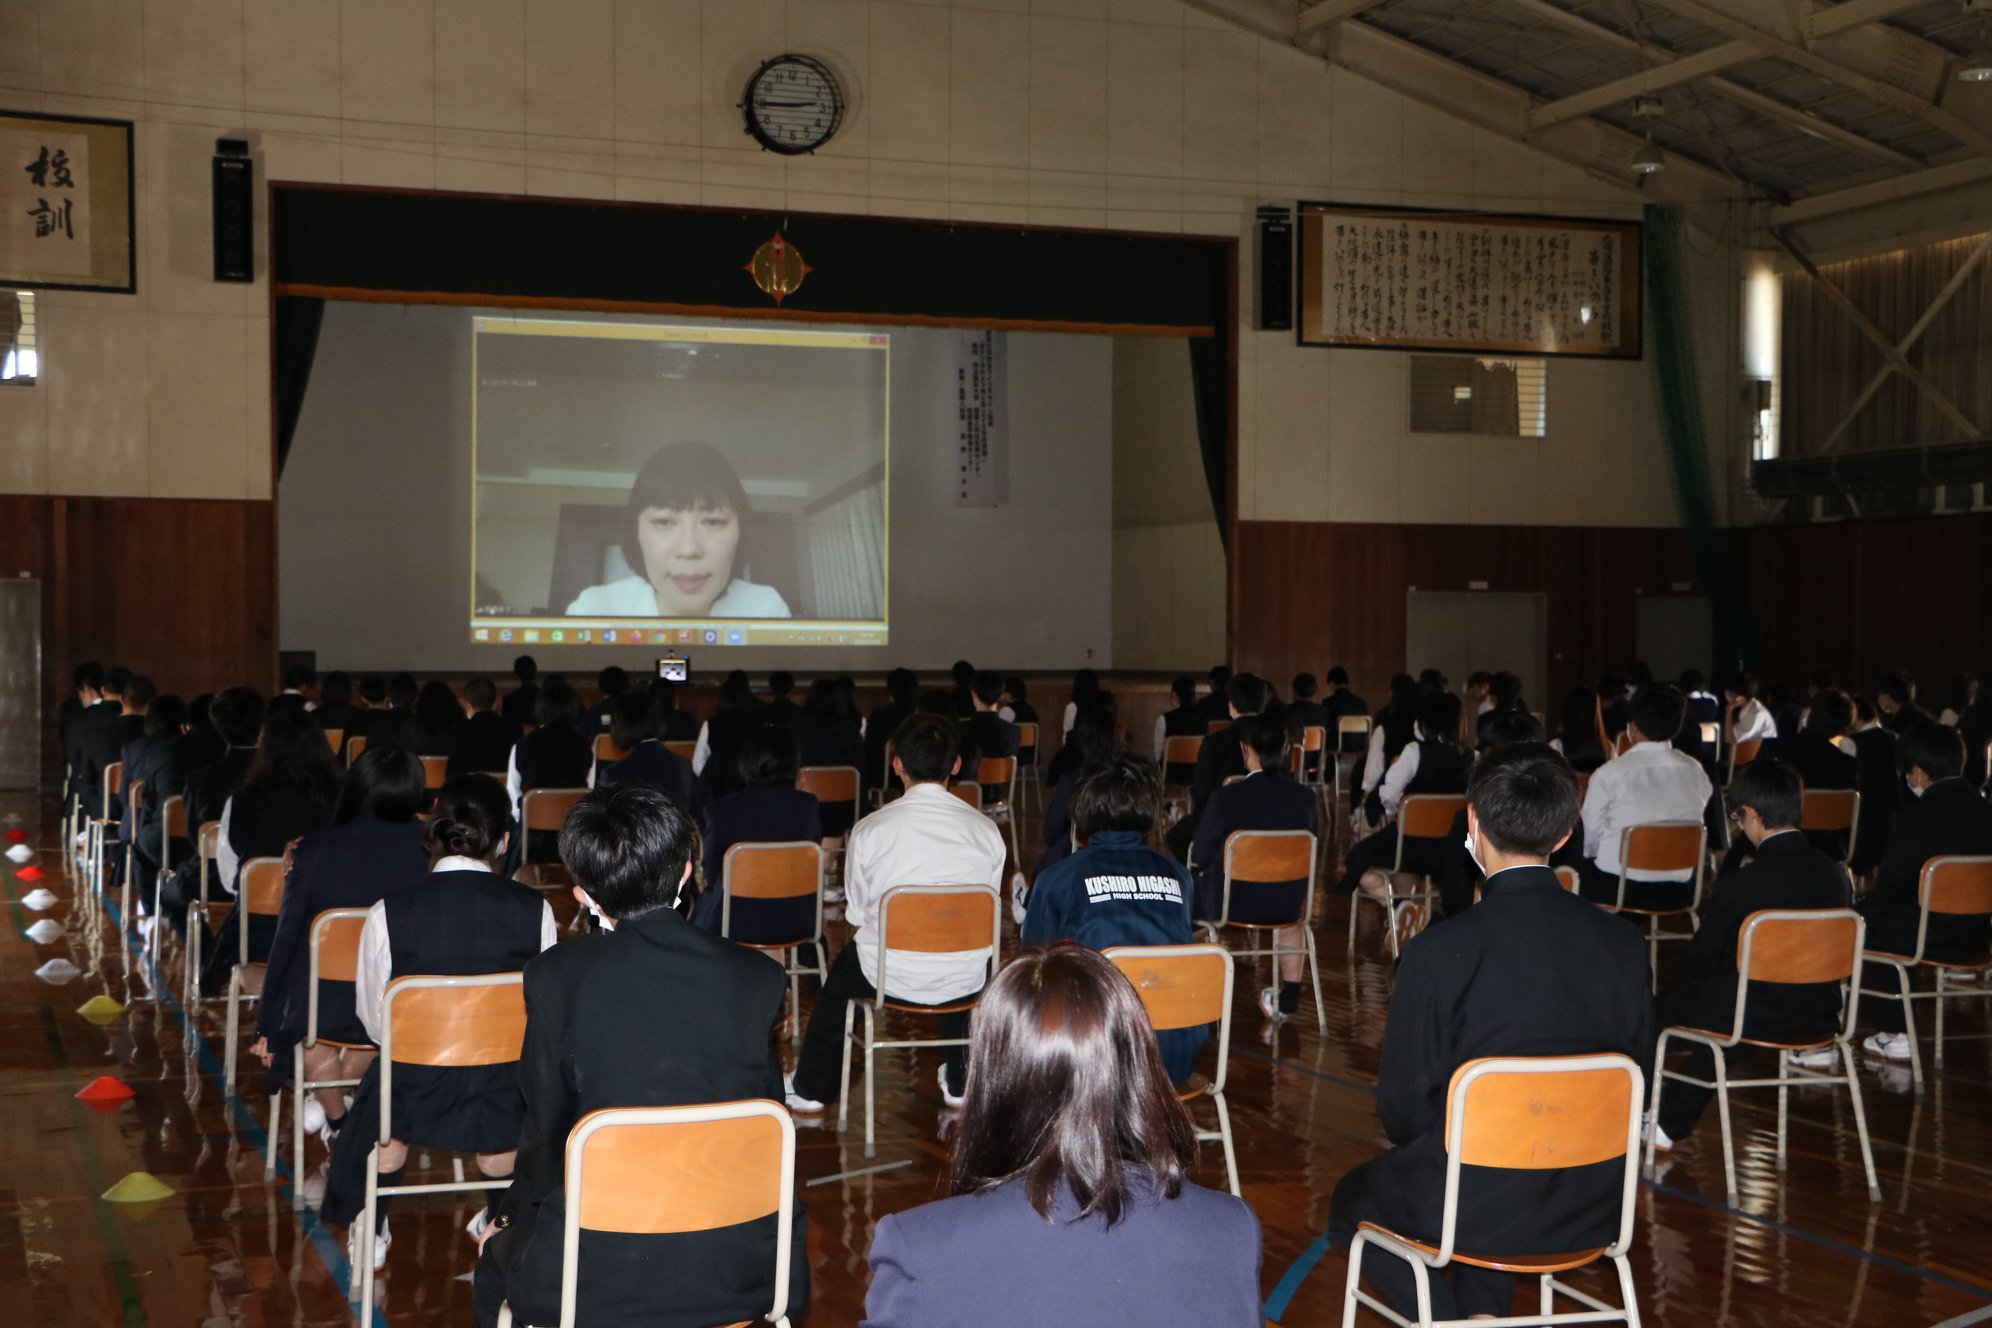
<point x="688" y="556"/>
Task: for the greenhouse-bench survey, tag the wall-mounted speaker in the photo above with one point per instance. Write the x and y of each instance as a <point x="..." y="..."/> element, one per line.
<point x="1275" y="269"/>
<point x="234" y="211"/>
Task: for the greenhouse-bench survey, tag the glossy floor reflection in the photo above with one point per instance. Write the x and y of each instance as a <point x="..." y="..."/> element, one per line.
<point x="1805" y="1247"/>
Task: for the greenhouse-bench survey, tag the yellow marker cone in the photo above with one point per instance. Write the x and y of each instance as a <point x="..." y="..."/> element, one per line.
<point x="138" y="1187"/>
<point x="100" y="1009"/>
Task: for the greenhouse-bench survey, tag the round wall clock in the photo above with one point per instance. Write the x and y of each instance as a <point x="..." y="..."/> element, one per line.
<point x="793" y="105"/>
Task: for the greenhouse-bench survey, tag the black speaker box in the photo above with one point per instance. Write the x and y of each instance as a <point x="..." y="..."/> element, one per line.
<point x="234" y="218"/>
<point x="1275" y="269"/>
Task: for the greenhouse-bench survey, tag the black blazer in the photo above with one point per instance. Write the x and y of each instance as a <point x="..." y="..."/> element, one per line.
<point x="482" y="744"/>
<point x="658" y="766"/>
<point x="262" y="822"/>
<point x="677" y="725"/>
<point x="595" y="1039"/>
<point x="1820" y="765"/>
<point x="521" y="704"/>
<point x="880" y="725"/>
<point x="1786" y="872"/>
<point x="349" y="720"/>
<point x="1265" y="801"/>
<point x="1530" y="971"/>
<point x="1220" y="757"/>
<point x="208" y="789"/>
<point x="726" y="733"/>
<point x="1948" y="819"/>
<point x="1882" y="791"/>
<point x="758" y="814"/>
<point x="177" y="759"/>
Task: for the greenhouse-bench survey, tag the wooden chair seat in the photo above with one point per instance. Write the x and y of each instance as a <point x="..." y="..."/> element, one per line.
<point x="1527" y="1264"/>
<point x="1193" y="1087"/>
<point x="955" y="1008"/>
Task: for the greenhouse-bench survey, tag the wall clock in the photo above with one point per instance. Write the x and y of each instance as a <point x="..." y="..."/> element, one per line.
<point x="793" y="105"/>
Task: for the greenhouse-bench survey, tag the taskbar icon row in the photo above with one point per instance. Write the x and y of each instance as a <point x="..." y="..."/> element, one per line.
<point x="781" y="634"/>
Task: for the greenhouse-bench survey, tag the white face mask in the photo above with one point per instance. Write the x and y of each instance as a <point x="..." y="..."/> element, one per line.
<point x="1472" y="842"/>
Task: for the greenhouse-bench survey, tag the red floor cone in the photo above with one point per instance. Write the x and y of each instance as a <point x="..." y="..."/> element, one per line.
<point x="29" y="874"/>
<point x="104" y="1089"/>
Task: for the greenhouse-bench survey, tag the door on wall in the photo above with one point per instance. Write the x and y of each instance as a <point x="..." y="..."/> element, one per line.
<point x="1674" y="633"/>
<point x="1464" y="632"/>
<point x="20" y="684"/>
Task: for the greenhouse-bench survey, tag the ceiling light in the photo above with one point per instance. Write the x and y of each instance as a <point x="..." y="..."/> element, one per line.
<point x="1976" y="67"/>
<point x="1648" y="108"/>
<point x="1648" y="160"/>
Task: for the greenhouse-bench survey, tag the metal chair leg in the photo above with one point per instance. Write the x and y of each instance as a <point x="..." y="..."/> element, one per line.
<point x="1722" y="1106"/>
<point x="1860" y="1119"/>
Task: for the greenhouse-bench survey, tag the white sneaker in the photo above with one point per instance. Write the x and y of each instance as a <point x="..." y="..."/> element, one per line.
<point x="833" y="894"/>
<point x="1888" y="1046"/>
<point x="314" y="1114"/>
<point x="1269" y="1005"/>
<point x="941" y="1078"/>
<point x="800" y="1105"/>
<point x="1963" y="974"/>
<point x="380" y="1248"/>
<point x="1020" y="893"/>
<point x="1661" y="1139"/>
<point x="1819" y="1058"/>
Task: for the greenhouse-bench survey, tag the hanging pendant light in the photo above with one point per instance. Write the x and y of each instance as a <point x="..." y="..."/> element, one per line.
<point x="1648" y="160"/>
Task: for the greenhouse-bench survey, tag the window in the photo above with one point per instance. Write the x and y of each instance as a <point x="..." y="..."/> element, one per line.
<point x="1466" y="394"/>
<point x="20" y="360"/>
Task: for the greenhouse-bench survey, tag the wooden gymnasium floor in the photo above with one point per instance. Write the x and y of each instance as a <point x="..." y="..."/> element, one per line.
<point x="225" y="1248"/>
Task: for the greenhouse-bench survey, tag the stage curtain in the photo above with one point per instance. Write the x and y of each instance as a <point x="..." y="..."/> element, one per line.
<point x="299" y="318"/>
<point x="1209" y="379"/>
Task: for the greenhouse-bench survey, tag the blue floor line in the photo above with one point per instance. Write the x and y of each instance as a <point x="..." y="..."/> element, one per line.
<point x="211" y="1069"/>
<point x="1296" y="1273"/>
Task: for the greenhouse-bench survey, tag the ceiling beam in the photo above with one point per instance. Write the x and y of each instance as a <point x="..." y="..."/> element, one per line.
<point x="1848" y="14"/>
<point x="1325" y="13"/>
<point x="1816" y="125"/>
<point x="1973" y="137"/>
<point x="1933" y="179"/>
<point x="1665" y="74"/>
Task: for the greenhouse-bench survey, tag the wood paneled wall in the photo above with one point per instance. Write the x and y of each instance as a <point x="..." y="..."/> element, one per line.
<point x="1305" y="595"/>
<point x="183" y="590"/>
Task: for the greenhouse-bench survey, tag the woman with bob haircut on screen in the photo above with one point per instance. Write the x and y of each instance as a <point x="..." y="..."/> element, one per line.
<point x="681" y="531"/>
<point x="1068" y="1202"/>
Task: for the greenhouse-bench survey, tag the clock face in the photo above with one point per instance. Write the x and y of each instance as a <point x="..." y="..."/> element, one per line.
<point x="793" y="105"/>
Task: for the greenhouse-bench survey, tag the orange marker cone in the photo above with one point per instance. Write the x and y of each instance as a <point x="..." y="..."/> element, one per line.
<point x="104" y="1089"/>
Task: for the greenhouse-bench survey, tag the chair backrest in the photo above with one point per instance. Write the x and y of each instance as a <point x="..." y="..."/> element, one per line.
<point x="1958" y="885"/>
<point x="1296" y="759"/>
<point x="173" y="813"/>
<point x="1027" y="738"/>
<point x="261" y="889"/>
<point x="546" y="808"/>
<point x="1744" y="752"/>
<point x="1800" y="945"/>
<point x="1567" y="878"/>
<point x="970" y="793"/>
<point x="1216" y="727"/>
<point x="936" y="919"/>
<point x="1429" y="815"/>
<point x="1181" y="750"/>
<point x="475" y="1019"/>
<point x="683" y="748"/>
<point x="1182" y="986"/>
<point x="335" y="957"/>
<point x="606" y="751"/>
<point x="1270" y="856"/>
<point x="664" y="1170"/>
<point x="1711" y="734"/>
<point x="1313" y="737"/>
<point x="209" y="845"/>
<point x="1829" y="809"/>
<point x="770" y="871"/>
<point x="354" y="746"/>
<point x="1348" y="724"/>
<point x="1543" y="1113"/>
<point x="113" y="781"/>
<point x="336" y="740"/>
<point x="435" y="771"/>
<point x="1663" y="846"/>
<point x="997" y="772"/>
<point x="830" y="783"/>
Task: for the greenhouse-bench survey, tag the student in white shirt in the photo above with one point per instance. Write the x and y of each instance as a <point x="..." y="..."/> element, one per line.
<point x="927" y="837"/>
<point x="1746" y="719"/>
<point x="1651" y="782"/>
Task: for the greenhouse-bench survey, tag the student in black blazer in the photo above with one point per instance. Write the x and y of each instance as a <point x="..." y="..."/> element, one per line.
<point x="553" y="755"/>
<point x="1946" y="818"/>
<point x="612" y="682"/>
<point x="1215" y="704"/>
<point x="1219" y="758"/>
<point x="1182" y="720"/>
<point x="236" y="719"/>
<point x="165" y="720"/>
<point x="724" y="735"/>
<point x="1785" y="872"/>
<point x="633" y="727"/>
<point x="336" y="709"/>
<point x="1016" y="700"/>
<point x="1459" y="875"/>
<point x="1811" y="753"/>
<point x="1895" y="697"/>
<point x="521" y="704"/>
<point x="1094" y="740"/>
<point x="1880" y="785"/>
<point x="630" y="850"/>
<point x="902" y="689"/>
<point x="781" y="707"/>
<point x="827" y="736"/>
<point x="1067" y="1201"/>
<point x="1530" y="971"/>
<point x="373" y="847"/>
<point x="989" y="733"/>
<point x="483" y="743"/>
<point x="392" y="722"/>
<point x="770" y="810"/>
<point x="1341" y="703"/>
<point x="673" y="724"/>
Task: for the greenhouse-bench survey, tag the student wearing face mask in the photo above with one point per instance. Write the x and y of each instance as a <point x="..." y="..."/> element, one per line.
<point x="594" y="1041"/>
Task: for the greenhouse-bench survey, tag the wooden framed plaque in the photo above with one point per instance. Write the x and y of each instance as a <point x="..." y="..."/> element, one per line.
<point x="66" y="220"/>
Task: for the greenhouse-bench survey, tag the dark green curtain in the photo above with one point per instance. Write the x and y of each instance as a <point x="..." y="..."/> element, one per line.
<point x="1677" y="388"/>
<point x="298" y="319"/>
<point x="1209" y="382"/>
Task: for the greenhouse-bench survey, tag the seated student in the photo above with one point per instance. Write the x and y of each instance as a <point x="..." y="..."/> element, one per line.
<point x="963" y="694"/>
<point x="1614" y="695"/>
<point x="197" y="744"/>
<point x="101" y="733"/>
<point x="1114" y="889"/>
<point x="1305" y="712"/>
<point x="335" y="709"/>
<point x="902" y="690"/>
<point x="1016" y="706"/>
<point x="1529" y="971"/>
<point x="1266" y="799"/>
<point x="1069" y="1203"/>
<point x="673" y="724"/>
<point x="1974" y="725"/>
<point x="392" y="722"/>
<point x="781" y="707"/>
<point x="553" y="755"/>
<point x="989" y="733"/>
<point x="236" y="716"/>
<point x="770" y="809"/>
<point x="646" y="760"/>
<point x="716" y="759"/>
<point x="1504" y="697"/>
<point x="1181" y="720"/>
<point x="1785" y="872"/>
<point x="1433" y="763"/>
<point x="1340" y="703"/>
<point x="289" y="790"/>
<point x="521" y="704"/>
<point x="1702" y="708"/>
<point x="942" y="703"/>
<point x="1880" y="784"/>
<point x="927" y="837"/>
<point x="140" y="756"/>
<point x="1085" y="684"/>
<point x="1480" y="692"/>
<point x="87" y="678"/>
<point x="1744" y="716"/>
<point x="1787" y="712"/>
<point x="1578" y="738"/>
<point x="1944" y="818"/>
<point x="1221" y="756"/>
<point x="373" y="846"/>
<point x="1392" y="728"/>
<point x="829" y="737"/>
<point x="1811" y="752"/>
<point x="463" y="917"/>
<point x="372" y="691"/>
<point x="300" y="680"/>
<point x="589" y="1047"/>
<point x="1459" y="877"/>
<point x="1093" y="742"/>
<point x="483" y="743"/>
<point x="433" y="718"/>
<point x="611" y="682"/>
<point x="1895" y="698"/>
<point x="1650" y="782"/>
<point x="1214" y="706"/>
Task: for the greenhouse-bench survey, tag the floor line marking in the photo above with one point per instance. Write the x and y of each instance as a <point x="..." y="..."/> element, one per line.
<point x="1973" y="1316"/>
<point x="1296" y="1273"/>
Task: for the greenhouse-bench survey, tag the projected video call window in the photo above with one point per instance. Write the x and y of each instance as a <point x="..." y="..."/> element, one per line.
<point x="660" y="485"/>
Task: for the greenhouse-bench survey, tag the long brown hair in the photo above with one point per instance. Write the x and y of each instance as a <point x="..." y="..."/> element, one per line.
<point x="1066" y="1085"/>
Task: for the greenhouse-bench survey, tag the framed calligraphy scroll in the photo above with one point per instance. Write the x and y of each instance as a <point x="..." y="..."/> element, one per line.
<point x="1406" y="278"/>
<point x="66" y="203"/>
